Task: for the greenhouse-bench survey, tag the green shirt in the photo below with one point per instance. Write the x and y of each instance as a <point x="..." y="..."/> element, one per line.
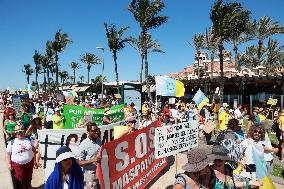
<point x="25" y="120"/>
<point x="57" y="122"/>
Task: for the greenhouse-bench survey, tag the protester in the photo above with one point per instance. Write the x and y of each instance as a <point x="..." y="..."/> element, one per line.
<point x="32" y="132"/>
<point x="106" y="117"/>
<point x="223" y="117"/>
<point x="130" y="127"/>
<point x="48" y="113"/>
<point x="197" y="172"/>
<point x="223" y="172"/>
<point x="256" y="137"/>
<point x="255" y="113"/>
<point x="86" y="154"/>
<point x="9" y="126"/>
<point x="19" y="157"/>
<point x="67" y="174"/>
<point x="191" y="113"/>
<point x="281" y="137"/>
<point x="58" y="119"/>
<point x="26" y="116"/>
<point x="167" y="114"/>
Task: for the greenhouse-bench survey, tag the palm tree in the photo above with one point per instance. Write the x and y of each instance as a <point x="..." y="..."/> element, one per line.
<point x="75" y="66"/>
<point x="239" y="31"/>
<point x="61" y="40"/>
<point x="263" y="29"/>
<point x="248" y="59"/>
<point x="116" y="42"/>
<point x="38" y="59"/>
<point x="28" y="71"/>
<point x="89" y="59"/>
<point x="274" y="54"/>
<point x="146" y="13"/>
<point x="151" y="45"/>
<point x="210" y="43"/>
<point x="198" y="43"/>
<point x="63" y="76"/>
<point x="81" y="79"/>
<point x="47" y="63"/>
<point x="222" y="16"/>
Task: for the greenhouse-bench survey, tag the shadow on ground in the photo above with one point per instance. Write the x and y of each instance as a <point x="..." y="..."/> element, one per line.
<point x="171" y="161"/>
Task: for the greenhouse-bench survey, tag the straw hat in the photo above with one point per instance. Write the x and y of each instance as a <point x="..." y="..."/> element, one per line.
<point x="197" y="160"/>
<point x="64" y="152"/>
<point x="219" y="152"/>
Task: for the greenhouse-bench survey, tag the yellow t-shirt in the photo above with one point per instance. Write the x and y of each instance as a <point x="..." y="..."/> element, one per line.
<point x="261" y="117"/>
<point x="224" y="120"/>
<point x="145" y="110"/>
<point x="57" y="122"/>
<point x="281" y="122"/>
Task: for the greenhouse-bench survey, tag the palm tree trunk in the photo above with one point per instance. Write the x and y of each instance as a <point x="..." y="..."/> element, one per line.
<point x="198" y="64"/>
<point x="44" y="79"/>
<point x="28" y="79"/>
<point x="235" y="41"/>
<point x="48" y="81"/>
<point x="116" y="71"/>
<point x="147" y="77"/>
<point x="56" y="71"/>
<point x="141" y="71"/>
<point x="259" y="52"/>
<point x="74" y="76"/>
<point x="212" y="60"/>
<point x="88" y="75"/>
<point x="222" y="72"/>
<point x="37" y="83"/>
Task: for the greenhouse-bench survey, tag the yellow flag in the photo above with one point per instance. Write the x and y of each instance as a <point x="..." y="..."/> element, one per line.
<point x="179" y="89"/>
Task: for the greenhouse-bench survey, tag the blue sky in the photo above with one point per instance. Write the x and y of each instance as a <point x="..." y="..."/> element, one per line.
<point x="25" y="26"/>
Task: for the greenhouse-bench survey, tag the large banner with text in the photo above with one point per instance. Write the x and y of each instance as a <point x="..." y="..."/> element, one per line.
<point x="74" y="115"/>
<point x="129" y="162"/>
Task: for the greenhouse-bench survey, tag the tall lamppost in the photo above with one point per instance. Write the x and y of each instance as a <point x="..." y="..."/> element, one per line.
<point x="103" y="67"/>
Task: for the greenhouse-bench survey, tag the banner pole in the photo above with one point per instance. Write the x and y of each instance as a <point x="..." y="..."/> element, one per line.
<point x="176" y="162"/>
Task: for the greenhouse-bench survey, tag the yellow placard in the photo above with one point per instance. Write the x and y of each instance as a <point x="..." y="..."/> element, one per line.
<point x="272" y="101"/>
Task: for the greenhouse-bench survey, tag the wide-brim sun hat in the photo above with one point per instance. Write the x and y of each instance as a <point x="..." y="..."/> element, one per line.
<point x="219" y="152"/>
<point x="197" y="160"/>
<point x="64" y="152"/>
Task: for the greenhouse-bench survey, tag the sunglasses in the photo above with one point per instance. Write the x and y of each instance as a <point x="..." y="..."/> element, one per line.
<point x="20" y="132"/>
<point x="257" y="131"/>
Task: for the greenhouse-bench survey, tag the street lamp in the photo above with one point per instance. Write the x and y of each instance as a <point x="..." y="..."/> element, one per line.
<point x="103" y="67"/>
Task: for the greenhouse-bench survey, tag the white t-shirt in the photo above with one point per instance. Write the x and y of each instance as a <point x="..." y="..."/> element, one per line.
<point x="21" y="150"/>
<point x="174" y="113"/>
<point x="238" y="113"/>
<point x="49" y="113"/>
<point x="249" y="153"/>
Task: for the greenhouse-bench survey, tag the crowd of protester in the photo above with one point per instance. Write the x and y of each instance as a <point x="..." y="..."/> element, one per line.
<point x="230" y="164"/>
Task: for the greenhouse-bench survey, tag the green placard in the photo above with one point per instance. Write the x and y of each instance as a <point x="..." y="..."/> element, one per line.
<point x="75" y="114"/>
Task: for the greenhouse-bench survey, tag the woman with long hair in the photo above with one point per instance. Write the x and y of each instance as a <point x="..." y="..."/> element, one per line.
<point x="9" y="126"/>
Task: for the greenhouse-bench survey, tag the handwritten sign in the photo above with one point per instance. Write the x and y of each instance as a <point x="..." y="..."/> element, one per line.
<point x="272" y="101"/>
<point x="172" y="139"/>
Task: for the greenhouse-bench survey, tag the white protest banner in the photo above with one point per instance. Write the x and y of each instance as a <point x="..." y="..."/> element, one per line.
<point x="52" y="139"/>
<point x="172" y="139"/>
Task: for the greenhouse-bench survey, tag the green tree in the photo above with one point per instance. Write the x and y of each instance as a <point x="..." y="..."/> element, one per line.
<point x="74" y="66"/>
<point x="116" y="43"/>
<point x="198" y="43"/>
<point x="211" y="44"/>
<point x="61" y="40"/>
<point x="28" y="71"/>
<point x="151" y="45"/>
<point x="222" y="16"/>
<point x="263" y="29"/>
<point x="38" y="60"/>
<point x="47" y="64"/>
<point x="147" y="14"/>
<point x="89" y="59"/>
<point x="81" y="79"/>
<point x="274" y="55"/>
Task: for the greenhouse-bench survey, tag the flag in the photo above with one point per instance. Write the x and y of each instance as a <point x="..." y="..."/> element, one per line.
<point x="166" y="86"/>
<point x="200" y="99"/>
<point x="261" y="171"/>
<point x="179" y="89"/>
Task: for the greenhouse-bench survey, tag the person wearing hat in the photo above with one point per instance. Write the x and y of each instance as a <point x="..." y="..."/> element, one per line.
<point x="130" y="127"/>
<point x="9" y="125"/>
<point x="106" y="118"/>
<point x="67" y="173"/>
<point x="58" y="119"/>
<point x="223" y="172"/>
<point x="281" y="127"/>
<point x="224" y="117"/>
<point x="197" y="172"/>
<point x="32" y="132"/>
<point x="19" y="158"/>
<point x="26" y="116"/>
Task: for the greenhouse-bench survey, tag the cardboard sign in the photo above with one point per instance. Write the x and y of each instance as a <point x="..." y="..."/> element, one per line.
<point x="17" y="103"/>
<point x="172" y="139"/>
<point x="272" y="101"/>
<point x="129" y="162"/>
<point x="208" y="126"/>
<point x="74" y="115"/>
